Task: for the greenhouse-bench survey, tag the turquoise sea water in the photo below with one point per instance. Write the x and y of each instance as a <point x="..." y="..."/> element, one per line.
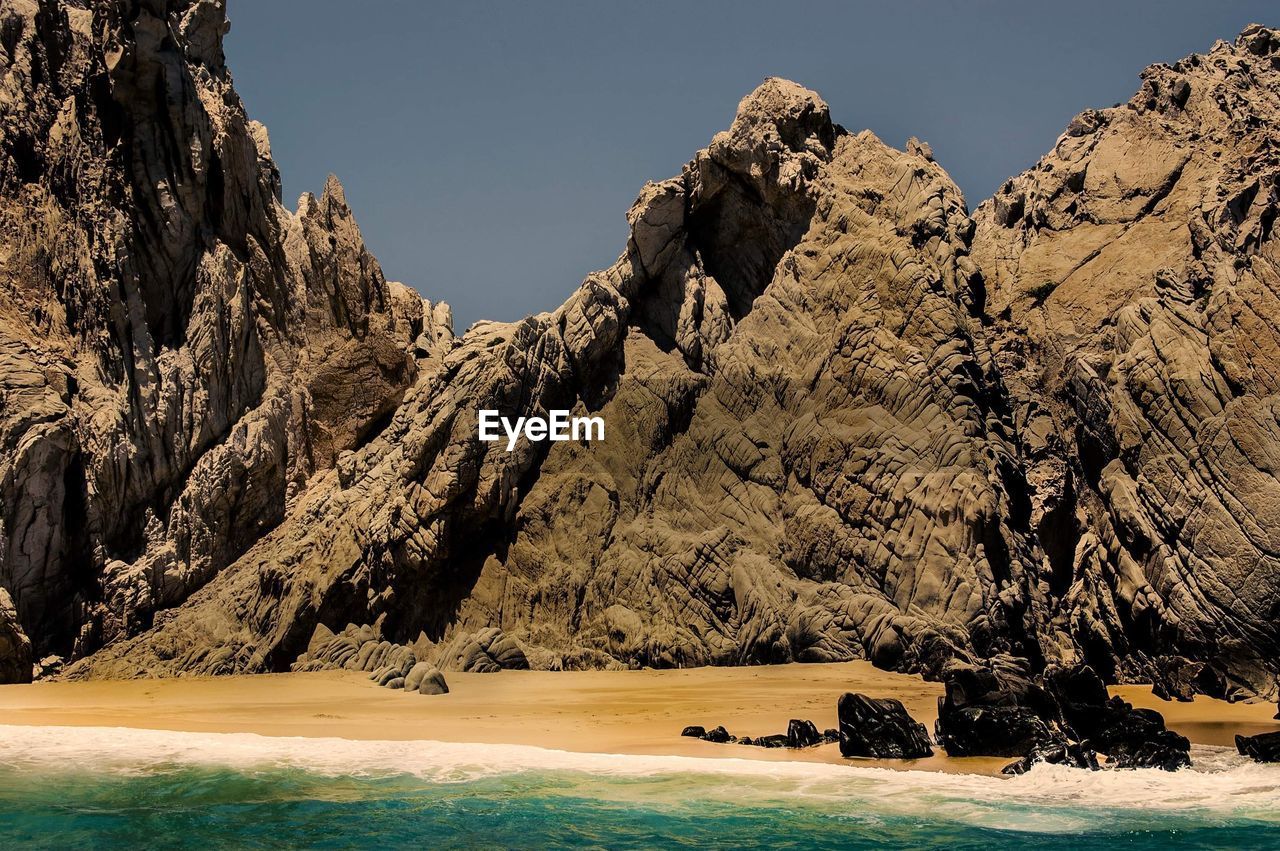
<point x="99" y="788"/>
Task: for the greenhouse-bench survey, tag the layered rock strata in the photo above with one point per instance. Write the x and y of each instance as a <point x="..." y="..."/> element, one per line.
<point x="179" y="354"/>
<point x="1132" y="283"/>
<point x="845" y="419"/>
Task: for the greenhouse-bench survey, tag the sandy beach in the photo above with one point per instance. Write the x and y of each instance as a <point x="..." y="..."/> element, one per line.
<point x="624" y="712"/>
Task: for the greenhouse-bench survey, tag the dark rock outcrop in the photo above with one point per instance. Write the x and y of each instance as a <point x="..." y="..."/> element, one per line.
<point x="694" y="732"/>
<point x="1068" y="754"/>
<point x="1072" y="706"/>
<point x="1137" y="738"/>
<point x="1132" y="738"/>
<point x="994" y="731"/>
<point x="802" y="734"/>
<point x="777" y="740"/>
<point x="1161" y="749"/>
<point x="880" y="728"/>
<point x="1264" y="747"/>
<point x="719" y="735"/>
<point x="990" y="713"/>
<point x="1081" y="696"/>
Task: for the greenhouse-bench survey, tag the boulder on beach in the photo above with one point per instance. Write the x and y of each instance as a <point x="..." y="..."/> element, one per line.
<point x="802" y="734"/>
<point x="413" y="679"/>
<point x="694" y="731"/>
<point x="777" y="740"/>
<point x="1264" y="747"/>
<point x="433" y="683"/>
<point x="719" y="735"/>
<point x="990" y="713"/>
<point x="881" y="728"/>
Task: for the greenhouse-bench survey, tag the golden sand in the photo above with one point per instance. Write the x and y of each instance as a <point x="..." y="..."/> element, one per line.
<point x="625" y="712"/>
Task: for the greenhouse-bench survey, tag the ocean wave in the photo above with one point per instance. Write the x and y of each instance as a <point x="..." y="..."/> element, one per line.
<point x="1222" y="783"/>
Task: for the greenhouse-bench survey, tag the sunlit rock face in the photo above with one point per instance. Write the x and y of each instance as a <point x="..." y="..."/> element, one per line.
<point x="179" y="353"/>
<point x="1133" y="285"/>
<point x="844" y="418"/>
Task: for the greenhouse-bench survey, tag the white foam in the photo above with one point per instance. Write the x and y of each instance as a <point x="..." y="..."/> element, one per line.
<point x="1223" y="782"/>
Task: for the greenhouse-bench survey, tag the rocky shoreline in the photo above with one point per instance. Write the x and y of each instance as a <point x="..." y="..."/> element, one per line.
<point x="1064" y="717"/>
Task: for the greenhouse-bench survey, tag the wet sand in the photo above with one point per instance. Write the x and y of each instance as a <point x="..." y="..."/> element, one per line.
<point x="625" y="712"/>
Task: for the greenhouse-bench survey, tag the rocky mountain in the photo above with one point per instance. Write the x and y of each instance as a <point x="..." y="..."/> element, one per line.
<point x="1133" y="300"/>
<point x="845" y="418"/>
<point x="179" y="354"/>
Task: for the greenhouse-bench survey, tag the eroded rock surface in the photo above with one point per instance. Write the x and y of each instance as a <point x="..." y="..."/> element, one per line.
<point x="880" y="728"/>
<point x="808" y="459"/>
<point x="1133" y="284"/>
<point x="179" y="353"/>
<point x="845" y="419"/>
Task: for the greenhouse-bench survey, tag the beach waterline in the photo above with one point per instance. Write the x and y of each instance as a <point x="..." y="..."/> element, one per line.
<point x="189" y="789"/>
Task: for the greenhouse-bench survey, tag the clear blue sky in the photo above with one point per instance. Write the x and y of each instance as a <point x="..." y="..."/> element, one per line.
<point x="491" y="149"/>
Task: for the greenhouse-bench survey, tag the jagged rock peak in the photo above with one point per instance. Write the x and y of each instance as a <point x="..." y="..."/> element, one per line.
<point x="1134" y="295"/>
<point x="780" y="111"/>
<point x="845" y="419"/>
<point x="179" y="354"/>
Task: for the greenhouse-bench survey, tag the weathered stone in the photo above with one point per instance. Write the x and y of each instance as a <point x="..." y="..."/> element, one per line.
<point x="1134" y="301"/>
<point x="483" y="652"/>
<point x="694" y="731"/>
<point x="180" y="355"/>
<point x="847" y="421"/>
<point x="416" y="674"/>
<point x="1264" y="747"/>
<point x="15" y="647"/>
<point x="1069" y="754"/>
<point x="433" y="683"/>
<point x="802" y="734"/>
<point x="1175" y="678"/>
<point x="880" y="728"/>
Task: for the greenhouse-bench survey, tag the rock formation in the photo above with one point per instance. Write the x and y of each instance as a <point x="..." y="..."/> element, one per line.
<point x="15" y="647"/>
<point x="179" y="354"/>
<point x="1132" y="284"/>
<point x="802" y="733"/>
<point x="845" y="419"/>
<point x="1264" y="747"/>
<point x="1065" y="717"/>
<point x="880" y="728"/>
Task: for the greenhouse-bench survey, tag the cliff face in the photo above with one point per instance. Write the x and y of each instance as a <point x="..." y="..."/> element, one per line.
<point x="845" y="420"/>
<point x="178" y="352"/>
<point x="1133" y="280"/>
<point x="806" y="461"/>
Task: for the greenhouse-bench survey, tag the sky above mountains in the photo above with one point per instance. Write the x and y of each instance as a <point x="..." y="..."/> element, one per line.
<point x="490" y="150"/>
